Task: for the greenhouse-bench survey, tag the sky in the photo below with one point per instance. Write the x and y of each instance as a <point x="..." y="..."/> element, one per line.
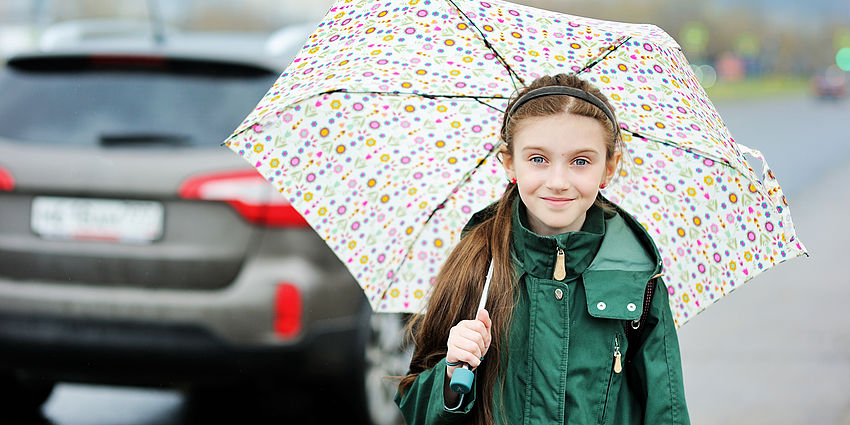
<point x="786" y="10"/>
<point x="791" y="10"/>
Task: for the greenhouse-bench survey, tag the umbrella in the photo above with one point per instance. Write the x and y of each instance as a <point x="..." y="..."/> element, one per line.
<point x="383" y="134"/>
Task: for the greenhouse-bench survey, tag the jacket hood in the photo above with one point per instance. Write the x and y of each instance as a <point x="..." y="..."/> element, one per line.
<point x="615" y="282"/>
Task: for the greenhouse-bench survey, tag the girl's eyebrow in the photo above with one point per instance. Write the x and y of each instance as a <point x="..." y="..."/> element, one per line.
<point x="570" y="153"/>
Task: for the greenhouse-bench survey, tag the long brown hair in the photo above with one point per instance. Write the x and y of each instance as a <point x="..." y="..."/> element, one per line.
<point x="459" y="284"/>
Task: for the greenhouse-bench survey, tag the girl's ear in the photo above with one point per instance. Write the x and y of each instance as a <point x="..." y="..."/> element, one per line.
<point x="508" y="163"/>
<point x="611" y="166"/>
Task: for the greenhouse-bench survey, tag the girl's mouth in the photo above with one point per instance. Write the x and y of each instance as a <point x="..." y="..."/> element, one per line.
<point x="557" y="202"/>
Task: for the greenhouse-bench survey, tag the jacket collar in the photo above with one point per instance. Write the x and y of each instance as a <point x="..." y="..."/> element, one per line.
<point x="538" y="254"/>
<point x="613" y="253"/>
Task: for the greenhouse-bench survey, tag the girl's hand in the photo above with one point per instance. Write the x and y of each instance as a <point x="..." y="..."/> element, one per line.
<point x="468" y="342"/>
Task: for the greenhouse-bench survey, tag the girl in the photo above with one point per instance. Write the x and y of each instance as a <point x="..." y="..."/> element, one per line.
<point x="577" y="328"/>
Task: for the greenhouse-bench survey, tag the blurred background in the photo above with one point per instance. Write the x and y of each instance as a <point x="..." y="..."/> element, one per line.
<point x="776" y="351"/>
<point x="738" y="48"/>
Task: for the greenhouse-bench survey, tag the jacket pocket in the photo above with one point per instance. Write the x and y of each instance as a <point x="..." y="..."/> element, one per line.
<point x="615" y="369"/>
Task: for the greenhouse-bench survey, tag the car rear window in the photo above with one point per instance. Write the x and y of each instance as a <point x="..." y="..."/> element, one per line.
<point x="126" y="101"/>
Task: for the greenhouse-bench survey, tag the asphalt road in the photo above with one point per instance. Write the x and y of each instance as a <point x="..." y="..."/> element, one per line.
<point x="776" y="351"/>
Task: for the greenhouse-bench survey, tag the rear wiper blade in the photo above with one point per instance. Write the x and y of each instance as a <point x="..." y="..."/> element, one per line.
<point x="143" y="139"/>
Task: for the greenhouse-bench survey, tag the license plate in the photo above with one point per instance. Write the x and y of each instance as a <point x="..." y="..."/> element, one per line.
<point x="97" y="219"/>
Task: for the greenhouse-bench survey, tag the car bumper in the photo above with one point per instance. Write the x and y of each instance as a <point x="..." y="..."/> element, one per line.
<point x="153" y="354"/>
<point x="244" y="313"/>
<point x="78" y="332"/>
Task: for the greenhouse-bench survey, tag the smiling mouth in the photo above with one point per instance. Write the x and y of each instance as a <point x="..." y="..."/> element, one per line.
<point x="558" y="201"/>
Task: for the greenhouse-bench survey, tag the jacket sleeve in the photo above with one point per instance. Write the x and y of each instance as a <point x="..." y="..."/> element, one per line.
<point x="657" y="365"/>
<point x="423" y="402"/>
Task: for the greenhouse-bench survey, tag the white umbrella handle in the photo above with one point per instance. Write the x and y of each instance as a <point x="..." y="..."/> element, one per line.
<point x="486" y="290"/>
<point x="462" y="377"/>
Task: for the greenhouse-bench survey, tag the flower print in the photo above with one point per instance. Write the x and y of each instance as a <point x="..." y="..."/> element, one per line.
<point x="250" y="140"/>
<point x="779" y="245"/>
<point x="703" y="286"/>
<point x="758" y="254"/>
<point x="718" y="174"/>
<point x="685" y="252"/>
<point x="342" y="115"/>
<point x="737" y="214"/>
<point x="708" y="232"/>
<point x="687" y="196"/>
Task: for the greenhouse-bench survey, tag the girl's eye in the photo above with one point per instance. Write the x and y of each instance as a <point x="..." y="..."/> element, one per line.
<point x="581" y="162"/>
<point x="537" y="159"/>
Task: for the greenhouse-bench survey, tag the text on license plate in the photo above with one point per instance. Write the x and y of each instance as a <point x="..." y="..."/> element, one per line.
<point x="97" y="219"/>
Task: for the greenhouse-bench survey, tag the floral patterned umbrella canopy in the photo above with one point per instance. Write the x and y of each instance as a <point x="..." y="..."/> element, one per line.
<point x="383" y="132"/>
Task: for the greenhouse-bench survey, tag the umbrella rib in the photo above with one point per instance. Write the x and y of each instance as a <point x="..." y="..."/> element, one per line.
<point x="479" y="99"/>
<point x="674" y="145"/>
<point x="511" y="72"/>
<point x="426" y="96"/>
<point x="463" y="181"/>
<point x="608" y="51"/>
<point x="489" y="105"/>
<point x="714" y="158"/>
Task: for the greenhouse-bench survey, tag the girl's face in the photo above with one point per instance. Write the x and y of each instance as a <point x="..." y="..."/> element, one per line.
<point x="559" y="162"/>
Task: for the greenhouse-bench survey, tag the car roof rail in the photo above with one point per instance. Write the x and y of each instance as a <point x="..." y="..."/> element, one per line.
<point x="288" y="40"/>
<point x="76" y="32"/>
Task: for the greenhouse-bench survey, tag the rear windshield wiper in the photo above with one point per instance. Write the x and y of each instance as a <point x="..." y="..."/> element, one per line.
<point x="144" y="139"/>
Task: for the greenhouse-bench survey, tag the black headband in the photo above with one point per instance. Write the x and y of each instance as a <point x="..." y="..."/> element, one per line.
<point x="564" y="90"/>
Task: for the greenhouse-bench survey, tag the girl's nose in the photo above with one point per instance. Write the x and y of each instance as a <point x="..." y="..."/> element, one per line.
<point x="559" y="178"/>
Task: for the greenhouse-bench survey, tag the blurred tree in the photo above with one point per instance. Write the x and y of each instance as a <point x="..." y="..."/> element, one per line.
<point x="841" y="37"/>
<point x="709" y="29"/>
<point x="693" y="37"/>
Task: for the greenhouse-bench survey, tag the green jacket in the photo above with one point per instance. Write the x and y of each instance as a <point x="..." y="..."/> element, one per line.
<point x="565" y="336"/>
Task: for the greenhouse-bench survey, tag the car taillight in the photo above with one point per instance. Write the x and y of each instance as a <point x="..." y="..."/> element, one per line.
<point x="287" y="310"/>
<point x="7" y="182"/>
<point x="248" y="193"/>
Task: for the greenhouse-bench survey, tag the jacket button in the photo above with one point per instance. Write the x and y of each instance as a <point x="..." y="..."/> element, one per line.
<point x="559" y="294"/>
<point x="631" y="307"/>
<point x="601" y="306"/>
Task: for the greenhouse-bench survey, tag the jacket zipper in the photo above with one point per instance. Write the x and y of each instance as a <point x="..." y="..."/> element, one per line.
<point x="616" y="369"/>
<point x="618" y="362"/>
<point x="647" y="301"/>
<point x="560" y="267"/>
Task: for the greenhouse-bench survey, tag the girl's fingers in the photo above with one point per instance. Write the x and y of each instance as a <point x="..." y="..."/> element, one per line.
<point x="465" y="357"/>
<point x="480" y="327"/>
<point x="474" y="335"/>
<point x="473" y="362"/>
<point x="469" y="340"/>
<point x="483" y="317"/>
<point x="466" y="345"/>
